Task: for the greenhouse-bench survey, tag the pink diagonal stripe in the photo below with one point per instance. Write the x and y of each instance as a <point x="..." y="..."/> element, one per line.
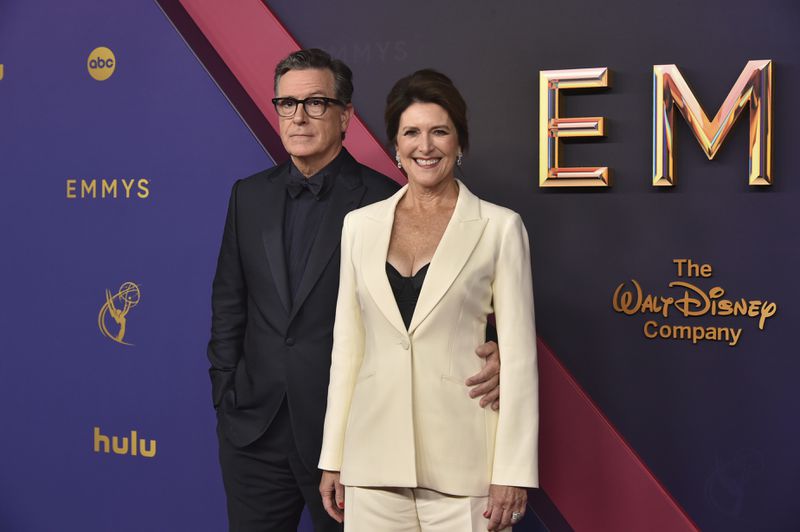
<point x="587" y="468"/>
<point x="251" y="41"/>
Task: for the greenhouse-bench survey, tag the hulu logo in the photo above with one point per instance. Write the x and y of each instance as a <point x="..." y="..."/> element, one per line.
<point x="132" y="445"/>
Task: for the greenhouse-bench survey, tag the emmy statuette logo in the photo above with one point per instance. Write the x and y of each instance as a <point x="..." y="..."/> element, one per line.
<point x="113" y="314"/>
<point x="101" y="63"/>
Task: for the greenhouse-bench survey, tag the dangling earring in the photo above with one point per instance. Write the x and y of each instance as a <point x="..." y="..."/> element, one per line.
<point x="460" y="158"/>
<point x="397" y="158"/>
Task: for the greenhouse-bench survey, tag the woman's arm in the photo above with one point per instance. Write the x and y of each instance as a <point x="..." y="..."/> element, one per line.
<point x="346" y="357"/>
<point x="515" y="465"/>
<point x="516" y="443"/>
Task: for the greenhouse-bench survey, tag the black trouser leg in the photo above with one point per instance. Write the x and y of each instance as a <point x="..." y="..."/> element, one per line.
<point x="266" y="483"/>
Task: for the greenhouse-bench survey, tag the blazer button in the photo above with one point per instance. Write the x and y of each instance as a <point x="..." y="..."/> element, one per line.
<point x="289" y="341"/>
<point x="404" y="343"/>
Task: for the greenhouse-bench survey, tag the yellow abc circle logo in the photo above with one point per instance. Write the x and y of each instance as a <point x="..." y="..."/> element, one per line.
<point x="101" y="63"/>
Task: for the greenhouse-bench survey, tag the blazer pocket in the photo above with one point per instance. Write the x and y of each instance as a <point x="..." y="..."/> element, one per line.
<point x="358" y="422"/>
<point x="462" y="426"/>
<point x="453" y="379"/>
<point x="365" y="376"/>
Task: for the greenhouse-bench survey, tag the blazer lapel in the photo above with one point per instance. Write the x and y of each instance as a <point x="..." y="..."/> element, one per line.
<point x="345" y="196"/>
<point x="377" y="232"/>
<point x="458" y="241"/>
<point x="272" y="234"/>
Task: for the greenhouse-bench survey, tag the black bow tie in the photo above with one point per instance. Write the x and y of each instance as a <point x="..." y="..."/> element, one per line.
<point x="296" y="183"/>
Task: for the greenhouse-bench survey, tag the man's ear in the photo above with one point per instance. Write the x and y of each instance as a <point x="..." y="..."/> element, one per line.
<point x="346" y="115"/>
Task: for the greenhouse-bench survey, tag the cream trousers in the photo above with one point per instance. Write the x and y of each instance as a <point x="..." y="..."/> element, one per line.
<point x="411" y="510"/>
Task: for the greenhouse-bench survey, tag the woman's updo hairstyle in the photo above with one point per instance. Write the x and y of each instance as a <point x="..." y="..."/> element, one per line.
<point x="426" y="86"/>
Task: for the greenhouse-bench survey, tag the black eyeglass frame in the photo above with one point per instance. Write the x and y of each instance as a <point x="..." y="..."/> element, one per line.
<point x="297" y="103"/>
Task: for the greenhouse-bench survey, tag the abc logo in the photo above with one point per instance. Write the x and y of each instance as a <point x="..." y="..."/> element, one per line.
<point x="101" y="63"/>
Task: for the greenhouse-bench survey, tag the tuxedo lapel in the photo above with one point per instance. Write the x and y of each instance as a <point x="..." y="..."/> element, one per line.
<point x="458" y="241"/>
<point x="274" y="198"/>
<point x="345" y="196"/>
<point x="377" y="232"/>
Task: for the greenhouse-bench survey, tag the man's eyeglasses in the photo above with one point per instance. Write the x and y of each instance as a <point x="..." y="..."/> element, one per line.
<point x="314" y="107"/>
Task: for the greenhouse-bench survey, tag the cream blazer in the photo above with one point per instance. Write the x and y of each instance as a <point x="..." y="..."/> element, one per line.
<point x="398" y="411"/>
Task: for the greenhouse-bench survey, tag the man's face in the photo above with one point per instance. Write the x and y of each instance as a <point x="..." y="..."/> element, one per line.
<point x="312" y="141"/>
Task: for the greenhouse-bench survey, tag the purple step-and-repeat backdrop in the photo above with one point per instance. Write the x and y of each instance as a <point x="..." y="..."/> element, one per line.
<point x="114" y="197"/>
<point x="118" y="152"/>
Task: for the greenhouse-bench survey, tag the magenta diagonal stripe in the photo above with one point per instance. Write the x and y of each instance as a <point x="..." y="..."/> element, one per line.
<point x="251" y="41"/>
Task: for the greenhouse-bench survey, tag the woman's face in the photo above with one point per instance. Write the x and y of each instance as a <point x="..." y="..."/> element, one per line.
<point x="427" y="143"/>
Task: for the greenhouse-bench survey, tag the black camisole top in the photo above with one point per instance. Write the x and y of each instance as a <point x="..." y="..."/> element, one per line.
<point x="406" y="290"/>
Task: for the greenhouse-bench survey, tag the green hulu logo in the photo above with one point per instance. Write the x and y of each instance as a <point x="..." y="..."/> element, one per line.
<point x="132" y="445"/>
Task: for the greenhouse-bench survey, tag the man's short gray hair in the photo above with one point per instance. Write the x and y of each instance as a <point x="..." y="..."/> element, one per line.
<point x="319" y="59"/>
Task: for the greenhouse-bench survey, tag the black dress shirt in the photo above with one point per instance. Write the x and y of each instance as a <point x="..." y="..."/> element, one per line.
<point x="306" y="203"/>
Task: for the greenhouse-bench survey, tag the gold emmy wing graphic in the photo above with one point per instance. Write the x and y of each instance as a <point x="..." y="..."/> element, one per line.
<point x="117" y="307"/>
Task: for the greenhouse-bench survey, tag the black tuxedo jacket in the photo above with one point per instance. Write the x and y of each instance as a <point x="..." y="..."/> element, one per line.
<point x="263" y="348"/>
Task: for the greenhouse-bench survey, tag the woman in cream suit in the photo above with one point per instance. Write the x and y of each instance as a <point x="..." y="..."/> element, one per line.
<point x="420" y="274"/>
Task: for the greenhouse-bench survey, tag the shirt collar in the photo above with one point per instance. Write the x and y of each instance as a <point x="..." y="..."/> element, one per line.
<point x="318" y="184"/>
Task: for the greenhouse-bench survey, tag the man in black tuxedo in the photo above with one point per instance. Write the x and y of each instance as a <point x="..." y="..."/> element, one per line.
<point x="274" y="301"/>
